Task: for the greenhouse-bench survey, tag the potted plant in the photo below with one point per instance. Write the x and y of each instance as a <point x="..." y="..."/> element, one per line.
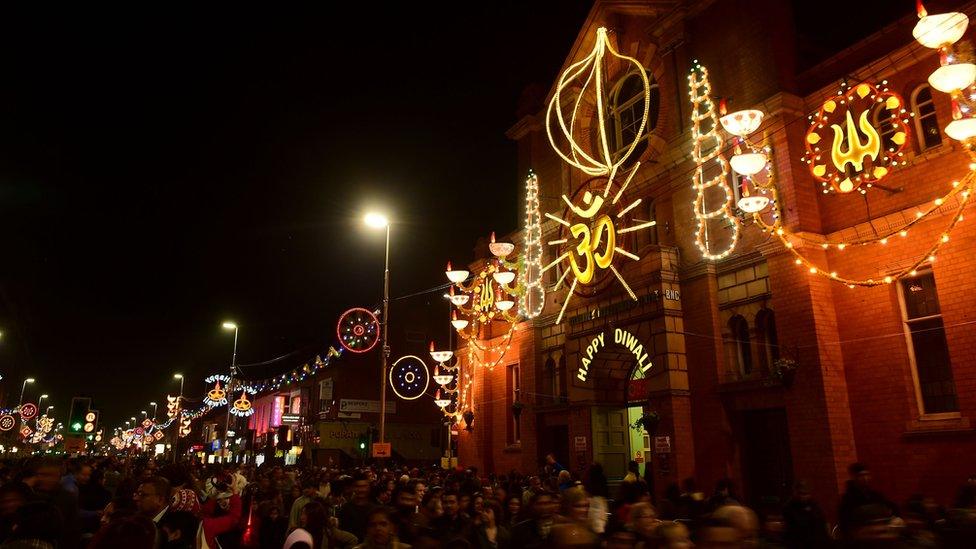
<point x="517" y="408"/>
<point x="468" y="420"/>
<point x="784" y="369"/>
<point x="647" y="422"/>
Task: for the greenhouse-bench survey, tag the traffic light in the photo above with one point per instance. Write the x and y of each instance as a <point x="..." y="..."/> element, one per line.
<point x="76" y="418"/>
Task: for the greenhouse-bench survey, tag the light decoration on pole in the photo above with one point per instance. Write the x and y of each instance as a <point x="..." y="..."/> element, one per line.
<point x="534" y="296"/>
<point x="589" y="230"/>
<point x="185" y="426"/>
<point x="7" y="422"/>
<point x="358" y="330"/>
<point x="242" y="406"/>
<point x="172" y="405"/>
<point x="850" y="164"/>
<point x="216" y="396"/>
<point x="409" y="377"/>
<point x="490" y="298"/>
<point x="713" y="196"/>
<point x="453" y="396"/>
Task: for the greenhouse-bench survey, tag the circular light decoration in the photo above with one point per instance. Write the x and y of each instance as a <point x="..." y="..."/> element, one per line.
<point x="28" y="411"/>
<point x="242" y="406"/>
<point x="7" y="422"/>
<point x="844" y="149"/>
<point x="358" y="330"/>
<point x="217" y="396"/>
<point x="409" y="377"/>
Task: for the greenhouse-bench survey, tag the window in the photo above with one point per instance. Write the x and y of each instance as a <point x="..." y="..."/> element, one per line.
<point x="627" y="111"/>
<point x="927" y="348"/>
<point x="648" y="236"/>
<point x="740" y="352"/>
<point x="562" y="380"/>
<point x="514" y="388"/>
<point x="767" y="339"/>
<point x="881" y="120"/>
<point x="926" y="123"/>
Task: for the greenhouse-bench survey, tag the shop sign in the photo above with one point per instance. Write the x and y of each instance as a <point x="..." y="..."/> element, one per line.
<point x="290" y="419"/>
<point x="326" y="387"/>
<point x="620" y="337"/>
<point x="382" y="449"/>
<point x="348" y="405"/>
<point x="579" y="444"/>
<point x="638" y="457"/>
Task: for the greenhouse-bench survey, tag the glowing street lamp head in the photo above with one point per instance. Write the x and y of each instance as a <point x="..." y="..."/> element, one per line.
<point x="29" y="380"/>
<point x="43" y="396"/>
<point x="152" y="403"/>
<point x="376" y="220"/>
<point x="177" y="376"/>
<point x="229" y="326"/>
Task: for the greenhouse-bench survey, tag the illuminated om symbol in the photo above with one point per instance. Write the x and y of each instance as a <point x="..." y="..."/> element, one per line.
<point x="588" y="248"/>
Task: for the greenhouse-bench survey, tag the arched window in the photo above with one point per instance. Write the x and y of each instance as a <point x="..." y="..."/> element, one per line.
<point x="740" y="349"/>
<point x="767" y="339"/>
<point x="881" y="119"/>
<point x="926" y="123"/>
<point x="627" y="111"/>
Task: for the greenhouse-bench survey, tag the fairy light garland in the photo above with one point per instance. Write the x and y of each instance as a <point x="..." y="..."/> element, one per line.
<point x="706" y="150"/>
<point x="534" y="297"/>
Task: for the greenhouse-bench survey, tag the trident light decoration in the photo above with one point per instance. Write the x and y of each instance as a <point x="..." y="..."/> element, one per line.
<point x="838" y="156"/>
<point x="217" y="396"/>
<point x="588" y="241"/>
<point x="933" y="31"/>
<point x="489" y="297"/>
<point x="713" y="196"/>
<point x="530" y="277"/>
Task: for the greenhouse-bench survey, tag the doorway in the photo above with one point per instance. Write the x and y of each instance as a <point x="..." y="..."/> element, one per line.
<point x="767" y="464"/>
<point x="615" y="442"/>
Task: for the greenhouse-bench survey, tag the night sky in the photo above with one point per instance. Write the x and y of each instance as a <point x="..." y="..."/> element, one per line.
<point x="162" y="173"/>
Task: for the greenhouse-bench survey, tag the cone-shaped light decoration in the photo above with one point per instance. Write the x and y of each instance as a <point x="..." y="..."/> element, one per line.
<point x="941" y="29"/>
<point x="455" y="276"/>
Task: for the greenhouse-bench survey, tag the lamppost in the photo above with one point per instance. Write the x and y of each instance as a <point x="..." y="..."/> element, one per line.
<point x="23" y="387"/>
<point x="380" y="221"/>
<point x="153" y="404"/>
<point x="179" y="419"/>
<point x="40" y="400"/>
<point x="233" y="367"/>
<point x="47" y="412"/>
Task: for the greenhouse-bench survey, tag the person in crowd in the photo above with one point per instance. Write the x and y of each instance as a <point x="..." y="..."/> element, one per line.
<point x="724" y="495"/>
<point x="513" y="511"/>
<point x="535" y="532"/>
<point x="134" y="531"/>
<point x="673" y="535"/>
<point x="352" y="515"/>
<point x="533" y="488"/>
<point x="272" y="526"/>
<point x="220" y="517"/>
<point x="308" y="492"/>
<point x="490" y="533"/>
<point x="152" y="502"/>
<point x="804" y="523"/>
<point x="453" y="524"/>
<point x="381" y="531"/>
<point x="38" y="525"/>
<point x="861" y="502"/>
<point x="179" y="530"/>
<point x="643" y="521"/>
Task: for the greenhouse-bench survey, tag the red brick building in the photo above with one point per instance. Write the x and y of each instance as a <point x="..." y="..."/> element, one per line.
<point x="886" y="375"/>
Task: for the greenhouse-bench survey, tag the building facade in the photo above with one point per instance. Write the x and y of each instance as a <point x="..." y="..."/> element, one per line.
<point x="885" y="374"/>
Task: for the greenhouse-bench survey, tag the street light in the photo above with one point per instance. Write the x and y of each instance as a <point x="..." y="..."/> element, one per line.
<point x="48" y="411"/>
<point x="40" y="400"/>
<point x="178" y="422"/>
<point x="153" y="404"/>
<point x="380" y="221"/>
<point x="144" y="414"/>
<point x="233" y="366"/>
<point x="24" y="386"/>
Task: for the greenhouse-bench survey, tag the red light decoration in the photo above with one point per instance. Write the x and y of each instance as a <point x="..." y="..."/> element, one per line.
<point x="358" y="330"/>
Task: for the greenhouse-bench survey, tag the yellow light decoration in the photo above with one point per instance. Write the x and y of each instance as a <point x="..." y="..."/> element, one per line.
<point x="742" y="123"/>
<point x="534" y="298"/>
<point x="955" y="77"/>
<point x="963" y="189"/>
<point x="242" y="406"/>
<point x="707" y="154"/>
<point x="855" y="163"/>
<point x="601" y="163"/>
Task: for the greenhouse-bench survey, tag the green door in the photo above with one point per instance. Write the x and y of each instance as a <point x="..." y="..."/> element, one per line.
<point x="611" y="441"/>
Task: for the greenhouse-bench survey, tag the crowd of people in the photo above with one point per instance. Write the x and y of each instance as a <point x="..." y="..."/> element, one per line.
<point x="100" y="503"/>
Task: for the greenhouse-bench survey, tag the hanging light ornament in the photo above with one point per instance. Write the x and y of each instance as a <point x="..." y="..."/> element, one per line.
<point x="534" y="298"/>
<point x="490" y="298"/>
<point x="954" y="76"/>
<point x="713" y="196"/>
<point x="752" y="198"/>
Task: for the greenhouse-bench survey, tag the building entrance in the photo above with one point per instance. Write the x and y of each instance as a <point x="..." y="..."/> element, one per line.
<point x="766" y="460"/>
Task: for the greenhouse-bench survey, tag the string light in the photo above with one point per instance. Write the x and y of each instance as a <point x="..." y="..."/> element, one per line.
<point x="534" y="296"/>
<point x="707" y="154"/>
